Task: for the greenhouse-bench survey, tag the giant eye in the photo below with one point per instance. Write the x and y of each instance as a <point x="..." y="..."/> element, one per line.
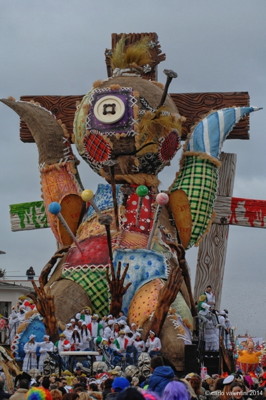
<point x="109" y="109"/>
<point x="97" y="148"/>
<point x="169" y="146"/>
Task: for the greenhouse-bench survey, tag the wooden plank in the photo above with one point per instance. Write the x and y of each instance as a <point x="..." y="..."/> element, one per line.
<point x="239" y="211"/>
<point x="63" y="107"/>
<point x="191" y="105"/>
<point x="212" y="249"/>
<point x="28" y="216"/>
<point x="194" y="106"/>
<point x="155" y="51"/>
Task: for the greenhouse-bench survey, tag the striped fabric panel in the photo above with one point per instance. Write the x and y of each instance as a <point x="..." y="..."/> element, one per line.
<point x="198" y="179"/>
<point x="210" y="133"/>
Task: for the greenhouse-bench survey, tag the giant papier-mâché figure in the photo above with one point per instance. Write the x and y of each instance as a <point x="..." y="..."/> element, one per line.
<point x="127" y="129"/>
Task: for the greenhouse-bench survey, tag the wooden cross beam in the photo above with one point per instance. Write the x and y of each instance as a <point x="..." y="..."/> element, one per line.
<point x="190" y="105"/>
<point x="228" y="211"/>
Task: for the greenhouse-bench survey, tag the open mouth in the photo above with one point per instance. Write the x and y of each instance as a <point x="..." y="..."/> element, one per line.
<point x="132" y="153"/>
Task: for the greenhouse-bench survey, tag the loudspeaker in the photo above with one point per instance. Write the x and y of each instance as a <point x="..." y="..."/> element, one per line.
<point x="191" y="362"/>
<point x="211" y="362"/>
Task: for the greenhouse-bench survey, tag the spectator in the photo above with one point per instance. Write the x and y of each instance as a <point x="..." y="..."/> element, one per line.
<point x="120" y="383"/>
<point x="21" y="392"/>
<point x="175" y="390"/>
<point x="94" y="392"/>
<point x="195" y="382"/>
<point x="161" y="375"/>
<point x="237" y="391"/>
<point x="3" y="394"/>
<point x="130" y="394"/>
<point x="107" y="387"/>
<point x="56" y="394"/>
<point x="30" y="273"/>
<point x="70" y="396"/>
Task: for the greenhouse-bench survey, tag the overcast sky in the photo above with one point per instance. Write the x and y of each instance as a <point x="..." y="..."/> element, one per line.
<point x="57" y="47"/>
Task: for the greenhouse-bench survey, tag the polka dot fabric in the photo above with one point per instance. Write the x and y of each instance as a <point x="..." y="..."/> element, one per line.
<point x="145" y="219"/>
<point x="144" y="302"/>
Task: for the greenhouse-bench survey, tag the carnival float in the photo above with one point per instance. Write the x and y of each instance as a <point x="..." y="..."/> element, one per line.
<point x="123" y="247"/>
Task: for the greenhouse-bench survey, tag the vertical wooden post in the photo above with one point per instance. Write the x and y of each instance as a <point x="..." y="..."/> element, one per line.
<point x="212" y="249"/>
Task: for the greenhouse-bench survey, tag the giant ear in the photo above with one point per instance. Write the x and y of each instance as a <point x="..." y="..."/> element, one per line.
<point x="180" y="208"/>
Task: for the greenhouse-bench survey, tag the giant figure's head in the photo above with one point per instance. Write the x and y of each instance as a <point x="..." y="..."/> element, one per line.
<point x="120" y="124"/>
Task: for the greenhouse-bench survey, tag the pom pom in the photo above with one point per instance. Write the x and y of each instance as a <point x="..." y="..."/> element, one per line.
<point x="54" y="208"/>
<point x="87" y="195"/>
<point x="142" y="190"/>
<point x="162" y="199"/>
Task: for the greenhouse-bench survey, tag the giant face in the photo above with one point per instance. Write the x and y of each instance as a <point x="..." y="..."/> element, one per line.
<point x="118" y="125"/>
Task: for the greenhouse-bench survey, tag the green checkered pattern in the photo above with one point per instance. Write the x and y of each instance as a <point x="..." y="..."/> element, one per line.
<point x="93" y="281"/>
<point x="198" y="178"/>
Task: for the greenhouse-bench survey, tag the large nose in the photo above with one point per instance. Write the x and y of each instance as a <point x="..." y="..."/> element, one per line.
<point x="109" y="109"/>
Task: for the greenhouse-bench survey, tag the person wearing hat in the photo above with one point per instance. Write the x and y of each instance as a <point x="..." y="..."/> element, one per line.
<point x="21" y="313"/>
<point x="153" y="344"/>
<point x="207" y="326"/>
<point x="161" y="375"/>
<point x="248" y="359"/>
<point x="30" y="359"/>
<point x="85" y="337"/>
<point x="108" y="329"/>
<point x="79" y="325"/>
<point x="122" y="342"/>
<point x="139" y="343"/>
<point x="22" y="383"/>
<point x="119" y="384"/>
<point x="95" y="329"/>
<point x="87" y="315"/>
<point x="45" y="346"/>
<point x="63" y="345"/>
<point x="68" y="332"/>
<point x="203" y="308"/>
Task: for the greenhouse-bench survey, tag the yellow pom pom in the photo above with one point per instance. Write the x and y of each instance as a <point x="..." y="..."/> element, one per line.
<point x="87" y="195"/>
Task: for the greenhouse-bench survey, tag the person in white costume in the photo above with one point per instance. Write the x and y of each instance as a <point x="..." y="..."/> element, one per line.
<point x="210" y="296"/>
<point x="13" y="322"/>
<point x="153" y="344"/>
<point x="85" y="337"/>
<point x="30" y="359"/>
<point x="45" y="346"/>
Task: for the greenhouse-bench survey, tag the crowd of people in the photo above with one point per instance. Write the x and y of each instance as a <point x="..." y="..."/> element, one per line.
<point x="213" y="323"/>
<point x="124" y="365"/>
<point x="158" y="381"/>
<point x="114" y="339"/>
